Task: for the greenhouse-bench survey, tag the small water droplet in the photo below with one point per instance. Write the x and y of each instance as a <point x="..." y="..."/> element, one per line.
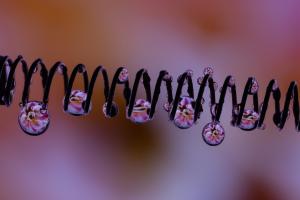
<point x="208" y="70"/>
<point x="254" y="86"/>
<point x="189" y="72"/>
<point x="167" y="77"/>
<point x="215" y="86"/>
<point x="167" y="106"/>
<point x="123" y="76"/>
<point x="262" y="127"/>
<point x="199" y="80"/>
<point x="275" y="85"/>
<point x="231" y="81"/>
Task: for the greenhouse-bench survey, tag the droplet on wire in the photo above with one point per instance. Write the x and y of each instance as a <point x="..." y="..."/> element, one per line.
<point x="189" y="72"/>
<point x="231" y="81"/>
<point x="275" y="85"/>
<point x="199" y="80"/>
<point x="123" y="76"/>
<point x="60" y="69"/>
<point x="213" y="133"/>
<point x="213" y="109"/>
<point x="236" y="110"/>
<point x="262" y="127"/>
<point x="167" y="106"/>
<point x="249" y="119"/>
<point x="208" y="70"/>
<point x="254" y="86"/>
<point x="167" y="77"/>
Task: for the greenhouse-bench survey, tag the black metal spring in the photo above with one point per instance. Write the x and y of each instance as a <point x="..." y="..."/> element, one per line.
<point x="7" y="85"/>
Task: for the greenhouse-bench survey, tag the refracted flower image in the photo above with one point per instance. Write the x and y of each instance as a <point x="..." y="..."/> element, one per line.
<point x="249" y="119"/>
<point x="140" y="111"/>
<point x="76" y="102"/>
<point x="184" y="116"/>
<point x="34" y="118"/>
<point x="213" y="133"/>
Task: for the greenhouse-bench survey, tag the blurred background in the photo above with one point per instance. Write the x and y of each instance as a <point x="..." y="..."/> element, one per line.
<point x="92" y="157"/>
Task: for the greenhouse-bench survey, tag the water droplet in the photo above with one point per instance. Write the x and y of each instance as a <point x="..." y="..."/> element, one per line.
<point x="249" y="119"/>
<point x="262" y="127"/>
<point x="220" y="90"/>
<point x="208" y="70"/>
<point x="199" y="80"/>
<point x="236" y="110"/>
<point x="202" y="100"/>
<point x="213" y="133"/>
<point x="215" y="86"/>
<point x="231" y="81"/>
<point x="288" y="115"/>
<point x="60" y="69"/>
<point x="184" y="116"/>
<point x="34" y="118"/>
<point x="123" y="76"/>
<point x="113" y="112"/>
<point x="140" y="111"/>
<point x="167" y="77"/>
<point x="213" y="109"/>
<point x="189" y="72"/>
<point x="167" y="106"/>
<point x="275" y="85"/>
<point x="254" y="86"/>
<point x="76" y="103"/>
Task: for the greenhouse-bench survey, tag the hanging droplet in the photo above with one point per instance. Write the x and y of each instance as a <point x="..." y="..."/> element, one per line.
<point x="288" y="114"/>
<point x="34" y="118"/>
<point x="60" y="69"/>
<point x="113" y="112"/>
<point x="262" y="127"/>
<point x="254" y="86"/>
<point x="215" y="86"/>
<point x="35" y="69"/>
<point x="221" y="88"/>
<point x="208" y="70"/>
<point x="261" y="107"/>
<point x="76" y="103"/>
<point x="213" y="109"/>
<point x="184" y="116"/>
<point x="249" y="119"/>
<point x="213" y="133"/>
<point x="123" y="76"/>
<point x="167" y="77"/>
<point x="236" y="110"/>
<point x="199" y="80"/>
<point x="167" y="106"/>
<point x="231" y="81"/>
<point x="275" y="85"/>
<point x="140" y="112"/>
<point x="202" y="101"/>
<point x="189" y="72"/>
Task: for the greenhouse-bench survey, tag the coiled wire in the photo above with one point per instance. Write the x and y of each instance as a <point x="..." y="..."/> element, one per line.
<point x="7" y="85"/>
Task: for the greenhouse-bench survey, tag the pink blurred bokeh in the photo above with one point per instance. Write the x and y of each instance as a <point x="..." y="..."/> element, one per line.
<point x="110" y="159"/>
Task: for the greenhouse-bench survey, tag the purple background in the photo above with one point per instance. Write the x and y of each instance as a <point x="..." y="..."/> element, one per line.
<point x="95" y="158"/>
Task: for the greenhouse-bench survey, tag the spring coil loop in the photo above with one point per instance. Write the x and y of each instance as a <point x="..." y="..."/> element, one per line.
<point x="184" y="110"/>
